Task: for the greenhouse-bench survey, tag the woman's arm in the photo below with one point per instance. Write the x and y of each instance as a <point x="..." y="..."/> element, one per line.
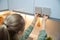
<point x="29" y="29"/>
<point x="42" y="34"/>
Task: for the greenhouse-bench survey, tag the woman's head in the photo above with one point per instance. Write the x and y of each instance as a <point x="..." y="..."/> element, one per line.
<point x="14" y="24"/>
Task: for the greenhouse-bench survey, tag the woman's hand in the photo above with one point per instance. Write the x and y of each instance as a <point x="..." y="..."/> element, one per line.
<point x="44" y="19"/>
<point x="36" y="15"/>
<point x="35" y="19"/>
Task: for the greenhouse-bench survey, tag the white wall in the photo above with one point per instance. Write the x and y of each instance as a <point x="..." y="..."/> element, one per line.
<point x="3" y="4"/>
<point x="28" y="6"/>
<point x="22" y="5"/>
<point x="53" y="4"/>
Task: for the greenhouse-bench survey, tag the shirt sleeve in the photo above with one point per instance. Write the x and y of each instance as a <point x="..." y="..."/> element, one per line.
<point x="42" y="35"/>
<point x="26" y="33"/>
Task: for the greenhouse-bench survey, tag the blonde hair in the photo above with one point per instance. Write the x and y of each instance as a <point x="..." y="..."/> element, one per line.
<point x="14" y="23"/>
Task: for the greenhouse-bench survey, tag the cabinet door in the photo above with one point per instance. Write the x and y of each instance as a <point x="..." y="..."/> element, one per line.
<point x="22" y="5"/>
<point x="3" y="4"/>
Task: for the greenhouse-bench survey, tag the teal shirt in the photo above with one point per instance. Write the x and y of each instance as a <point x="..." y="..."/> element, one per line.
<point x="42" y="35"/>
<point x="25" y="35"/>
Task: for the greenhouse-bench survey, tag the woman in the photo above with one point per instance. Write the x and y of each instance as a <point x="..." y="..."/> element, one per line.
<point x="13" y="28"/>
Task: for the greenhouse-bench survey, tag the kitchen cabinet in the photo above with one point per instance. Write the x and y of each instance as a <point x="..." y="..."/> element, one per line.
<point x="3" y="4"/>
<point x="22" y="5"/>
